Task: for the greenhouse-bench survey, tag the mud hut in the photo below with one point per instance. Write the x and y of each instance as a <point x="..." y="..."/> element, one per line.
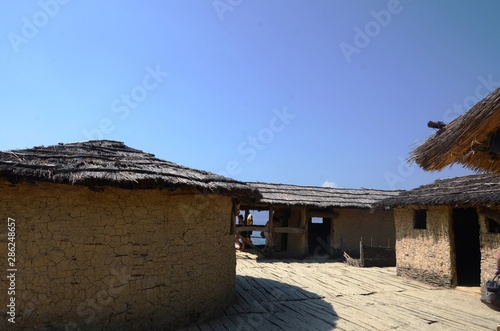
<point x="472" y="139"/>
<point x="312" y="220"/>
<point x="447" y="232"/>
<point x="107" y="236"/>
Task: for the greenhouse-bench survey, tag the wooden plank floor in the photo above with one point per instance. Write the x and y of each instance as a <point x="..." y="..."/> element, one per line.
<point x="323" y="295"/>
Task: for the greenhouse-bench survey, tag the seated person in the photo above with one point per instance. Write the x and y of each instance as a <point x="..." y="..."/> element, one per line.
<point x="249" y="222"/>
<point x="243" y="234"/>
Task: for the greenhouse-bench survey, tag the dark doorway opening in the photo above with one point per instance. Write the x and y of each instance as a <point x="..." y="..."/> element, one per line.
<point x="467" y="246"/>
<point x="319" y="236"/>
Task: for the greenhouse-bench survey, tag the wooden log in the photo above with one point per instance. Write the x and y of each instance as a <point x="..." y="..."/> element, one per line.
<point x="287" y="229"/>
<point x="252" y="228"/>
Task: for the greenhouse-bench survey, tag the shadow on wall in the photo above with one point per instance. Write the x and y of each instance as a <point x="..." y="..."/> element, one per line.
<point x="264" y="304"/>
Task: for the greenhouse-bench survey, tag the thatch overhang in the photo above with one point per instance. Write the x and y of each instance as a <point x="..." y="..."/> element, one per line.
<point x="466" y="191"/>
<point x="99" y="163"/>
<point x="472" y="139"/>
<point x="318" y="197"/>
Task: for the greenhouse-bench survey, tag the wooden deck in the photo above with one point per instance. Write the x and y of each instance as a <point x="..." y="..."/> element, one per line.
<point x="323" y="295"/>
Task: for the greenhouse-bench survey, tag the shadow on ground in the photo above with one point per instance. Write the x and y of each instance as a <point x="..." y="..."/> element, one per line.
<point x="265" y="304"/>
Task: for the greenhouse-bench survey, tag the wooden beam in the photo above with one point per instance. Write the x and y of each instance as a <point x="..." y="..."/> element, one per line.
<point x="489" y="213"/>
<point x="287" y="229"/>
<point x="276" y="229"/>
<point x="271" y="233"/>
<point x="322" y="214"/>
<point x="252" y="228"/>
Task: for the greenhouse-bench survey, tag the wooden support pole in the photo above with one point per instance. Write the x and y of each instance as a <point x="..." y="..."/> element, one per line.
<point x="361" y="253"/>
<point x="270" y="248"/>
<point x="332" y="234"/>
<point x="304" y="225"/>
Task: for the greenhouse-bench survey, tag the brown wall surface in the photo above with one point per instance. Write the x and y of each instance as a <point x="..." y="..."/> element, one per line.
<point x="117" y="259"/>
<point x="376" y="229"/>
<point x="425" y="254"/>
<point x="490" y="244"/>
<point x="297" y="243"/>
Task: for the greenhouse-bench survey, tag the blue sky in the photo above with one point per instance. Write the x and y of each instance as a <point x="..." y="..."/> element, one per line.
<point x="288" y="91"/>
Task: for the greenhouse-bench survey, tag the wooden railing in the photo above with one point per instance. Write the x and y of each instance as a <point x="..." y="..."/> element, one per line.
<point x="272" y="230"/>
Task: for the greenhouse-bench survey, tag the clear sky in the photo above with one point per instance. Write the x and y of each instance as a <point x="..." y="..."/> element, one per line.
<point x="286" y="91"/>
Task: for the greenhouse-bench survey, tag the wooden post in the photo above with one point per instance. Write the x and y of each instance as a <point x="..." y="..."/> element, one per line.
<point x="303" y="225"/>
<point x="245" y="221"/>
<point x="332" y="234"/>
<point x="271" y="232"/>
<point x="361" y="254"/>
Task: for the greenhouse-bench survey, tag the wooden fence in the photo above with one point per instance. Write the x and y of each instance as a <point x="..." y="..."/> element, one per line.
<point x="371" y="256"/>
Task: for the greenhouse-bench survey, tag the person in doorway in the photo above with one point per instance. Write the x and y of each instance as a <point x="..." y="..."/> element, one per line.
<point x="244" y="234"/>
<point x="249" y="222"/>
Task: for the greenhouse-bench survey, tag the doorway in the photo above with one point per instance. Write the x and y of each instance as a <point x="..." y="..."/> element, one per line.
<point x="467" y="246"/>
<point x="318" y="235"/>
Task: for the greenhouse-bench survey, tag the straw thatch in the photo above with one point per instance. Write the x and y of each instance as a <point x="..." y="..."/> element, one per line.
<point x="472" y="190"/>
<point x="318" y="197"/>
<point x="100" y="163"/>
<point x="465" y="140"/>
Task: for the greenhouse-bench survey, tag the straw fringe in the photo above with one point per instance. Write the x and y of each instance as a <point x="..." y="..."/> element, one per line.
<point x="472" y="190"/>
<point x="319" y="197"/>
<point x="111" y="163"/>
<point x="461" y="141"/>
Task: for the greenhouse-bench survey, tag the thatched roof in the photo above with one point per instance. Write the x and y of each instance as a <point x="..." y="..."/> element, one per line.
<point x="100" y="163"/>
<point x="318" y="197"/>
<point x="466" y="140"/>
<point x="472" y="190"/>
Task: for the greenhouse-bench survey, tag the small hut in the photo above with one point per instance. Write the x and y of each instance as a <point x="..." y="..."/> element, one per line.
<point x="324" y="221"/>
<point x="472" y="139"/>
<point x="447" y="232"/>
<point x="110" y="237"/>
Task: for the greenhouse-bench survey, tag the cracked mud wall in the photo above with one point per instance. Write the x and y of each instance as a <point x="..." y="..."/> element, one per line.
<point x="117" y="258"/>
<point x="425" y="254"/>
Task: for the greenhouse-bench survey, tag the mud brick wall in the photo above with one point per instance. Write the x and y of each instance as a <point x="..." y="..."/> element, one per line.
<point x="117" y="259"/>
<point x="425" y="254"/>
<point x="490" y="243"/>
<point x="376" y="229"/>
